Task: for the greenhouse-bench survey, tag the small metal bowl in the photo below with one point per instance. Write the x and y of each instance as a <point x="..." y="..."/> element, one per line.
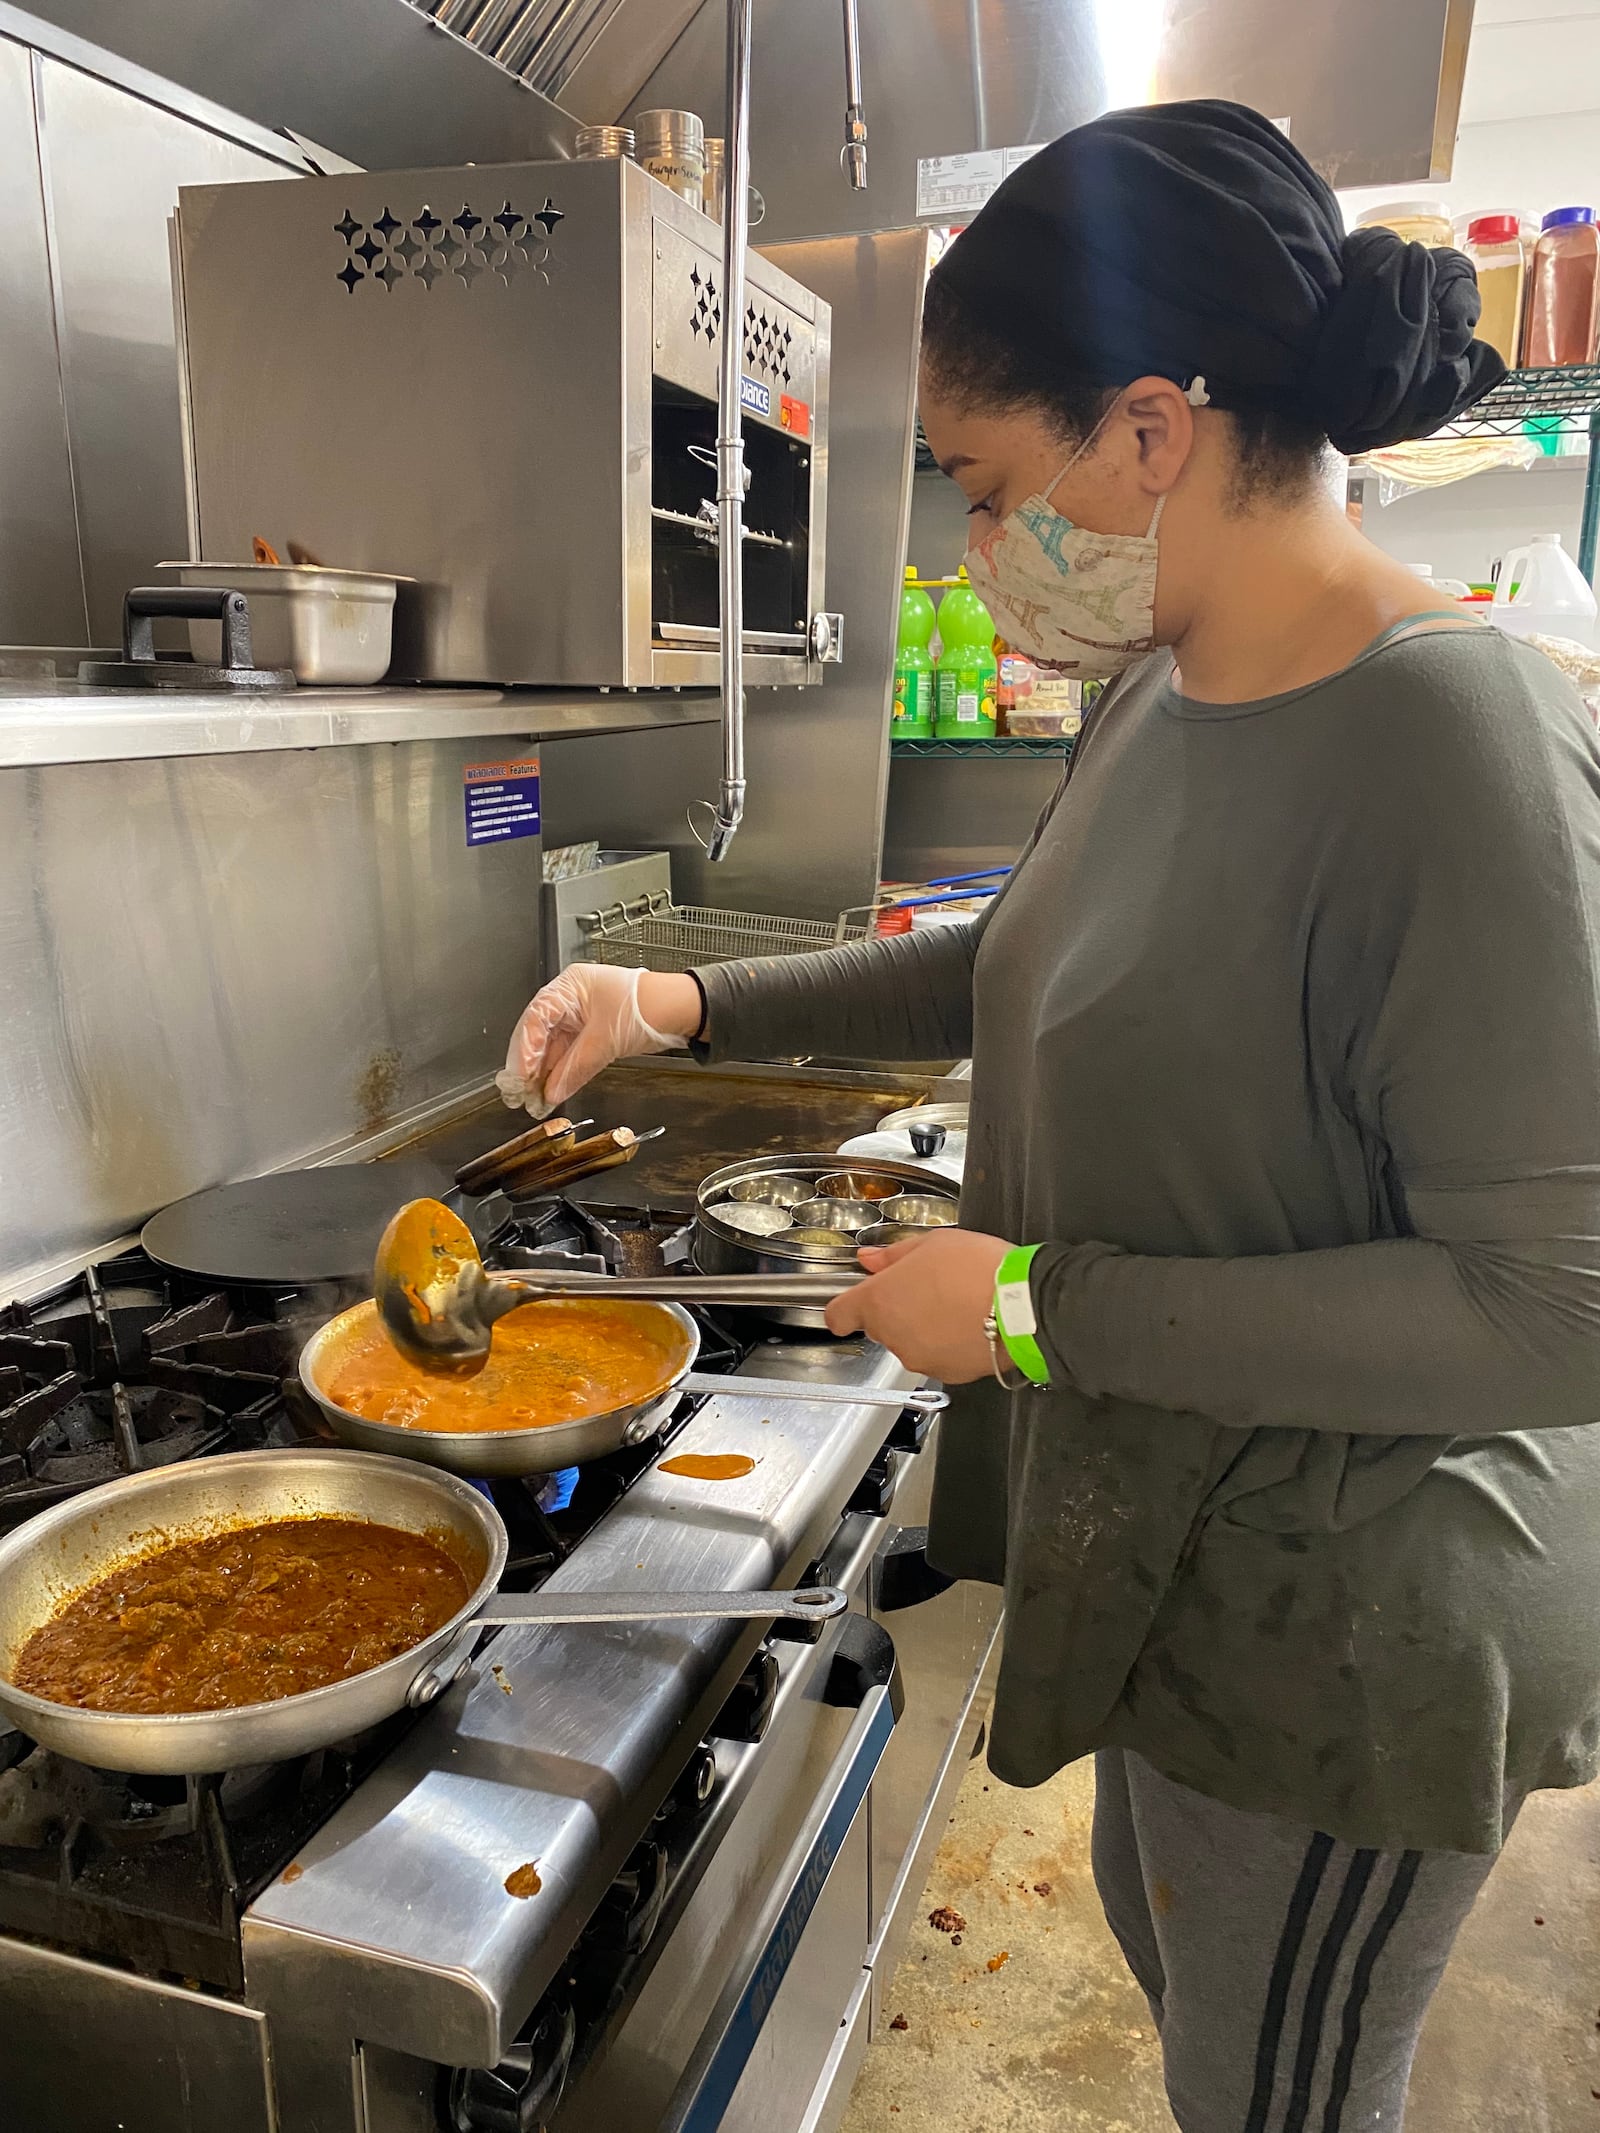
<point x="919" y="1210"/>
<point x="821" y="1240"/>
<point x="855" y="1185"/>
<point x="756" y="1218"/>
<point x="834" y="1214"/>
<point x="882" y="1234"/>
<point x="771" y="1190"/>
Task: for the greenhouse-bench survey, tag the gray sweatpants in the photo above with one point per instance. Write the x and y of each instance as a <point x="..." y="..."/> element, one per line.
<point x="1288" y="1974"/>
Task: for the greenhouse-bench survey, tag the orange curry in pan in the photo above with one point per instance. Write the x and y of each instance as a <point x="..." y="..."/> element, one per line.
<point x="244" y="1616"/>
<point x="559" y="1360"/>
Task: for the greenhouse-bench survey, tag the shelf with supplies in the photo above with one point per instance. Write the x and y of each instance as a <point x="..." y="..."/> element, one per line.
<point x="1550" y="407"/>
<point x="1570" y="397"/>
<point x="1000" y="744"/>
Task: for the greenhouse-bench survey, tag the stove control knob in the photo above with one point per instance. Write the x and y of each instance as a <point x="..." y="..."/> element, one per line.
<point x="748" y="1711"/>
<point x="875" y="1490"/>
<point x="902" y="1576"/>
<point x="696" y="1783"/>
<point x="910" y="1433"/>
<point x="521" y="2093"/>
<point x="630" y="1910"/>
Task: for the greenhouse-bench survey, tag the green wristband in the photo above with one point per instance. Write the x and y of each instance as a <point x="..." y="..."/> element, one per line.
<point x="1014" y="1317"/>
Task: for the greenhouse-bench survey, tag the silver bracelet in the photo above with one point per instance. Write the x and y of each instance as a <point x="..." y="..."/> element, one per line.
<point x="1007" y="1375"/>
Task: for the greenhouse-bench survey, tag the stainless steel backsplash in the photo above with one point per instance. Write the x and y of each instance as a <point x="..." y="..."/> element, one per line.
<point x="214" y="965"/>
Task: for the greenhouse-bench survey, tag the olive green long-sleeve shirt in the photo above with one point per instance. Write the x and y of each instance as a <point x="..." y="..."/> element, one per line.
<point x="1286" y="1047"/>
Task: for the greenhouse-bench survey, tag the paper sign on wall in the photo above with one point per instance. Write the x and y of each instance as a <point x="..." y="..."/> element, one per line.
<point x="953" y="188"/>
<point x="502" y="800"/>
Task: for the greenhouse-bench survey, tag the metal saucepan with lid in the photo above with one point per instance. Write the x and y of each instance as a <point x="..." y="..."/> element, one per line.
<point x="50" y="1561"/>
<point x="545" y="1450"/>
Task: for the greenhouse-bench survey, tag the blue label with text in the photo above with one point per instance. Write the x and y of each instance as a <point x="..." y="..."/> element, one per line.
<point x="502" y="800"/>
<point x="756" y="397"/>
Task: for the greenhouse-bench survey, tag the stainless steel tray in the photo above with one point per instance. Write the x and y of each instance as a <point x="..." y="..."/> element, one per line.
<point x="333" y="627"/>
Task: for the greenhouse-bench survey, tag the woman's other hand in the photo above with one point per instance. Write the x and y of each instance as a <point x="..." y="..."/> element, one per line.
<point x="926" y="1300"/>
<point x="583" y="1020"/>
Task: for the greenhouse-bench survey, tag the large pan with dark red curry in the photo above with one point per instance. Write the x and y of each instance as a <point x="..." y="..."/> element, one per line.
<point x="171" y="1622"/>
<point x="568" y="1379"/>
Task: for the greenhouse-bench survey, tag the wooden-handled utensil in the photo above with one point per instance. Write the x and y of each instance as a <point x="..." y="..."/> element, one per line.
<point x="566" y="1163"/>
<point x="547" y="1164"/>
<point x="479" y="1175"/>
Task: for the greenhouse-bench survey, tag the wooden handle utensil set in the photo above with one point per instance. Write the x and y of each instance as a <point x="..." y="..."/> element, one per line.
<point x="550" y="1158"/>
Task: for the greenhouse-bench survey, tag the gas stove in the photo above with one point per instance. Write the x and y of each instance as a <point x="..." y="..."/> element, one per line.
<point x="334" y="1945"/>
<point x="129" y="1366"/>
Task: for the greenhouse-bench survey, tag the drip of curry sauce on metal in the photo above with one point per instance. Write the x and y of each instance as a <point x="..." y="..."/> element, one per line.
<point x="709" y="1466"/>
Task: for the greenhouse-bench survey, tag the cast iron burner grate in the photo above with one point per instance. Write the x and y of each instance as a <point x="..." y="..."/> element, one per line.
<point x="155" y="1873"/>
<point x="128" y="1367"/>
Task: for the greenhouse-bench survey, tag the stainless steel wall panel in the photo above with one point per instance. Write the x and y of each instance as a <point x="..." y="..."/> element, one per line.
<point x="215" y="965"/>
<point x="113" y="165"/>
<point x="946" y="816"/>
<point x="817" y="758"/>
<point x="939" y="77"/>
<point x="41" y="591"/>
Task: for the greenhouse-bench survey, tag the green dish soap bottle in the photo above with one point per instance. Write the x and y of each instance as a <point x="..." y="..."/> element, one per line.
<point x="913" y="665"/>
<point x="965" y="699"/>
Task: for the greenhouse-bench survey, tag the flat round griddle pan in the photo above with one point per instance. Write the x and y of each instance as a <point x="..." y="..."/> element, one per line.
<point x="294" y="1226"/>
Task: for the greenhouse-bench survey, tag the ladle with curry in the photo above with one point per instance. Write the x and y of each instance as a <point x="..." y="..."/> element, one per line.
<point x="597" y="1363"/>
<point x="439" y="1307"/>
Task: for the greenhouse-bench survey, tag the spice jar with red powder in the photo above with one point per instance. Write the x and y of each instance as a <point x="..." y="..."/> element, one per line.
<point x="1564" y="298"/>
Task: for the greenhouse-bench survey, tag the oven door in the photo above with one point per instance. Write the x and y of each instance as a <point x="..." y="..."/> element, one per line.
<point x="776" y="2019"/>
<point x="742" y="1991"/>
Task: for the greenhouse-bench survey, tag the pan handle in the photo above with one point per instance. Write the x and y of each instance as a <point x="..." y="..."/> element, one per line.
<point x="202" y="603"/>
<point x="534" y="1610"/>
<point x="928" y="1400"/>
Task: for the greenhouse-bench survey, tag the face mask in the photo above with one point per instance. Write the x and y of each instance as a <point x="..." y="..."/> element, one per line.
<point x="1084" y="603"/>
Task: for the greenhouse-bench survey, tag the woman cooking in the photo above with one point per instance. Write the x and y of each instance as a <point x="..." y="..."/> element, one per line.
<point x="1281" y="1220"/>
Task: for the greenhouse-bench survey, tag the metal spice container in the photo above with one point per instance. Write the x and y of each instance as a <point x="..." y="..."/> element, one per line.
<point x="672" y="147"/>
<point x="604" y="144"/>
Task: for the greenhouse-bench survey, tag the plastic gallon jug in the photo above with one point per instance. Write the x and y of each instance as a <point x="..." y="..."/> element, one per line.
<point x="1553" y="598"/>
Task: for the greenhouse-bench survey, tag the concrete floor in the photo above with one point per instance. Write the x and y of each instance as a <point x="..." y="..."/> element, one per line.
<point x="1056" y="2035"/>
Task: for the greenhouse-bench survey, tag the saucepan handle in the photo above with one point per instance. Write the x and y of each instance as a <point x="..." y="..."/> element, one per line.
<point x="927" y="1400"/>
<point x="533" y="1610"/>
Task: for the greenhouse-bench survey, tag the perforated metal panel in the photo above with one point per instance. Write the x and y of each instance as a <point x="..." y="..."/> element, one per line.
<point x="780" y="338"/>
<point x="426" y="247"/>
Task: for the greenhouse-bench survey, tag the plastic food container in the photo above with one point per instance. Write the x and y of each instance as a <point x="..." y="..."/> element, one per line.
<point x="1494" y="245"/>
<point x="333" y="627"/>
<point x="1564" y="297"/>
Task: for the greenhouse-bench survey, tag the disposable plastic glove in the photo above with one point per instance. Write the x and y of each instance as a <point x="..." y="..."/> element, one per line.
<point x="571" y="1030"/>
